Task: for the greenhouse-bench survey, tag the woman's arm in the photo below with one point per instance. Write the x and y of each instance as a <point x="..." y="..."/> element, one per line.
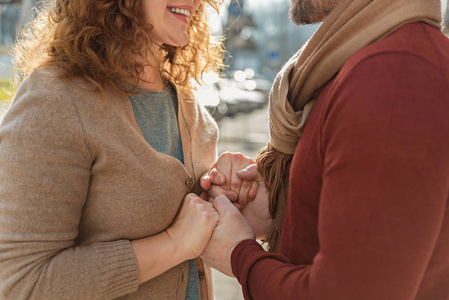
<point x="45" y="166"/>
<point x="44" y="178"/>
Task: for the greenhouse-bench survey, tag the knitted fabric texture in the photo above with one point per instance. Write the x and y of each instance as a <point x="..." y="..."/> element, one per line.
<point x="351" y="26"/>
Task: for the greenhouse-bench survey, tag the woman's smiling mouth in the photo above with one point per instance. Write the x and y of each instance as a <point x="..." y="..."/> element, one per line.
<point x="180" y="11"/>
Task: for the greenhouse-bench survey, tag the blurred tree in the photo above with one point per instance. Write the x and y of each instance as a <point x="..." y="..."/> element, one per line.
<point x="8" y="17"/>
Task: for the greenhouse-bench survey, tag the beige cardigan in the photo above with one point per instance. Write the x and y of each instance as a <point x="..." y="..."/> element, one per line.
<point x="78" y="181"/>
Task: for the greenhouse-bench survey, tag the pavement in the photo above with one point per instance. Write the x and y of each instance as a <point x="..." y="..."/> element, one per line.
<point x="225" y="287"/>
<point x="245" y="133"/>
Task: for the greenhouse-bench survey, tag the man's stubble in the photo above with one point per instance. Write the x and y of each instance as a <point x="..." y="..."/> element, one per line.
<point x="310" y="11"/>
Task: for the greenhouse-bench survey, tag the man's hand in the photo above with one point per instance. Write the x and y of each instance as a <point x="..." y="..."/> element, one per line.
<point x="231" y="229"/>
<point x="257" y="212"/>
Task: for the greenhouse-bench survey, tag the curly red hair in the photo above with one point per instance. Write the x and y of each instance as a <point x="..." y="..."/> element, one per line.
<point x="100" y="40"/>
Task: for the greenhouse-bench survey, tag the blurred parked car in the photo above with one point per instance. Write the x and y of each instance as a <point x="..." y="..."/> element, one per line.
<point x="250" y="80"/>
<point x="239" y="99"/>
<point x="242" y="92"/>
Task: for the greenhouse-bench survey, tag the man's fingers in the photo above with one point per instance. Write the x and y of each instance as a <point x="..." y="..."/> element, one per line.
<point x="231" y="195"/>
<point x="252" y="193"/>
<point x="244" y="195"/>
<point x="250" y="173"/>
<point x="215" y="191"/>
<point x="235" y="183"/>
<point x="223" y="205"/>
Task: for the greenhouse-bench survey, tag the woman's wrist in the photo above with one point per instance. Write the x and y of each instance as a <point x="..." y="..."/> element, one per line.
<point x="156" y="254"/>
<point x="179" y="250"/>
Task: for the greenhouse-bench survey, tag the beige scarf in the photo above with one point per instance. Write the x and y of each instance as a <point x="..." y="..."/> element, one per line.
<point x="352" y="25"/>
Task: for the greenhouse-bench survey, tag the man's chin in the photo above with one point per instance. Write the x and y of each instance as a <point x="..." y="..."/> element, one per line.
<point x="299" y="20"/>
<point x="306" y="12"/>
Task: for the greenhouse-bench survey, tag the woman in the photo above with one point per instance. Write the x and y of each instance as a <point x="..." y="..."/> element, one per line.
<point x="101" y="151"/>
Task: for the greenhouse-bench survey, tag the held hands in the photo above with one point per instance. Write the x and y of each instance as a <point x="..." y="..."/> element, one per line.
<point x="193" y="226"/>
<point x="235" y="177"/>
<point x="235" y="174"/>
<point x="231" y="229"/>
<point x="223" y="179"/>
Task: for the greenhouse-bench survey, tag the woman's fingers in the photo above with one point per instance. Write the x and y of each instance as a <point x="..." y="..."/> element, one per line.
<point x="225" y="173"/>
<point x="205" y="181"/>
<point x="218" y="177"/>
<point x="194" y="224"/>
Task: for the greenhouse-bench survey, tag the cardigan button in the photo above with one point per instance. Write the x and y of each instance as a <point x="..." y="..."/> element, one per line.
<point x="201" y="275"/>
<point x="189" y="182"/>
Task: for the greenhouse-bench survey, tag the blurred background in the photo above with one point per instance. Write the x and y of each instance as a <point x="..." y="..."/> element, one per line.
<point x="259" y="40"/>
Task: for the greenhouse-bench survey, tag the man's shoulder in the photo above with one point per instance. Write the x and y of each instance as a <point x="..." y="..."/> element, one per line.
<point x="409" y="66"/>
<point x="418" y="41"/>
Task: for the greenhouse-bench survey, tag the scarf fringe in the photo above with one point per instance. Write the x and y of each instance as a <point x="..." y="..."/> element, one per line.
<point x="273" y="165"/>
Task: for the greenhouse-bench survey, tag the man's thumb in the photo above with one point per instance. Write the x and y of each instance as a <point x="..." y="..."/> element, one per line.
<point x="223" y="205"/>
<point x="250" y="173"/>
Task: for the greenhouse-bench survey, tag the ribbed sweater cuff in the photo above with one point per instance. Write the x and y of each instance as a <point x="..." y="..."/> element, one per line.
<point x="118" y="269"/>
<point x="245" y="255"/>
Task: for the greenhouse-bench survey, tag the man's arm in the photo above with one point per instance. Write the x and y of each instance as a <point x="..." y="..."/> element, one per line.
<point x="385" y="186"/>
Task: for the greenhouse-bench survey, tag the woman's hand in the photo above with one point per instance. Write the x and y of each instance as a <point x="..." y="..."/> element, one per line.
<point x="222" y="179"/>
<point x="185" y="239"/>
<point x="193" y="227"/>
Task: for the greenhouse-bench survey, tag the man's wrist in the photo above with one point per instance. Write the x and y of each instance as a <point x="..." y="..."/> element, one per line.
<point x="236" y="255"/>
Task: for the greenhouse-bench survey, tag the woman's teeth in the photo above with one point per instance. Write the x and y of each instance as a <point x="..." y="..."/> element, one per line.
<point x="180" y="11"/>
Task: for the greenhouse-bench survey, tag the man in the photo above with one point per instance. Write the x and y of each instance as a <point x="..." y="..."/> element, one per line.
<point x="363" y="110"/>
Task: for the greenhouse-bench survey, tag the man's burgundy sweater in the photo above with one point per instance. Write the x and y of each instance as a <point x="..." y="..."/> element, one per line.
<point x="367" y="215"/>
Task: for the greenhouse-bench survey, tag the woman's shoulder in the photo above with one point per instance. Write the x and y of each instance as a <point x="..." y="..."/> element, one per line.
<point x="41" y="88"/>
<point x="50" y="85"/>
<point x="44" y="95"/>
<point x="41" y="81"/>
